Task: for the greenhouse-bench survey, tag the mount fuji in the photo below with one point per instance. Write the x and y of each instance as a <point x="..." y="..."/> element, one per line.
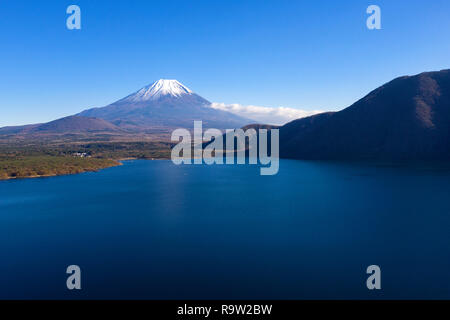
<point x="163" y="105"/>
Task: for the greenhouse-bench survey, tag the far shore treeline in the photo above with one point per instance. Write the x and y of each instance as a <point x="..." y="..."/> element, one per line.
<point x="38" y="159"/>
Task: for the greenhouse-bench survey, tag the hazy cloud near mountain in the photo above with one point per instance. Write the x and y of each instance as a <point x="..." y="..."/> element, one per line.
<point x="266" y="115"/>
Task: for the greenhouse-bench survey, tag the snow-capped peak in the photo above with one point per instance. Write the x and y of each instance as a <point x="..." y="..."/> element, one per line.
<point x="161" y="88"/>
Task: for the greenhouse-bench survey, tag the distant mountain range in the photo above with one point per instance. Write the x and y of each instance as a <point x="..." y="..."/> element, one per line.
<point x="160" y="107"/>
<point x="408" y="118"/>
<point x="405" y="119"/>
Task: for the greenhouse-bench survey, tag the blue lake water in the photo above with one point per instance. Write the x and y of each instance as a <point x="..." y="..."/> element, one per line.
<point x="153" y="230"/>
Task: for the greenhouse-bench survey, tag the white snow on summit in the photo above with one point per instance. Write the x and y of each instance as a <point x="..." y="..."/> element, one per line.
<point x="160" y="88"/>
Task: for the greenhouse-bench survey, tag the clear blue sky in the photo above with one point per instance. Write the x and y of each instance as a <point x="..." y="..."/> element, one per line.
<point x="302" y="54"/>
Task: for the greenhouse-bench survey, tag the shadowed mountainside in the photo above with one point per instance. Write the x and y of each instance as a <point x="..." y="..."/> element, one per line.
<point x="405" y="119"/>
<point x="258" y="126"/>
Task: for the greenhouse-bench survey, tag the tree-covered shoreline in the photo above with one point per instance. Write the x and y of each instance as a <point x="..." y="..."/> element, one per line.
<point x="40" y="159"/>
<point x="46" y="166"/>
